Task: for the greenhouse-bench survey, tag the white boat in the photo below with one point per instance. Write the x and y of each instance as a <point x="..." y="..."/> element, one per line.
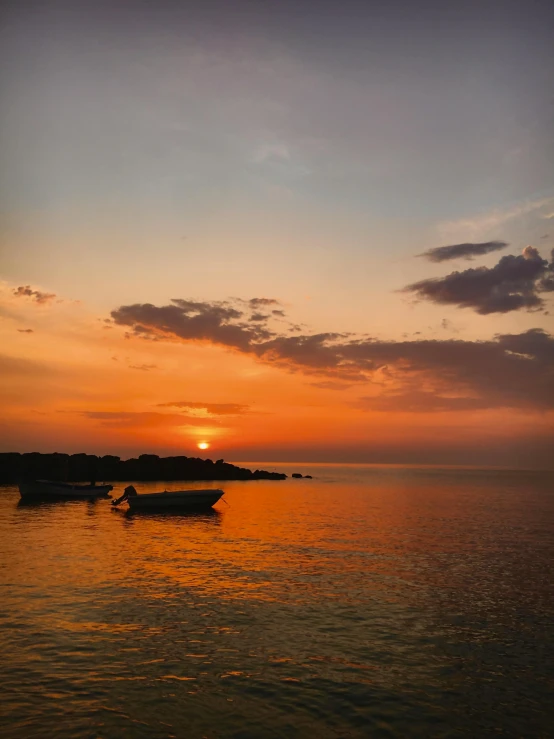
<point x="47" y="489"/>
<point x="167" y="501"/>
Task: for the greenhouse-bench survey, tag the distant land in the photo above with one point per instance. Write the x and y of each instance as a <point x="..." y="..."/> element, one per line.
<point x="88" y="467"/>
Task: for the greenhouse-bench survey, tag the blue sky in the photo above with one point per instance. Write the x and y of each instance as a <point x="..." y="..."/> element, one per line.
<point x="269" y="134"/>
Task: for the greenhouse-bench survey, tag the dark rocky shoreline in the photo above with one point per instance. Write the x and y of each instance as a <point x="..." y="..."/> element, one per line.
<point x="15" y="467"/>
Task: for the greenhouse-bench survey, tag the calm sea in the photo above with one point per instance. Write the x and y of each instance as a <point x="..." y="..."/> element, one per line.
<point x="367" y="602"/>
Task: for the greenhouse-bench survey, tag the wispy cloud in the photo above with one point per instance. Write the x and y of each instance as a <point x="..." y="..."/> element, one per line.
<point x="483" y="223"/>
<point x="462" y="251"/>
<point x="214" y="409"/>
<point x="331" y="385"/>
<point x="133" y="419"/>
<point x="19" y="366"/>
<point x="277" y="161"/>
<point x="275" y="151"/>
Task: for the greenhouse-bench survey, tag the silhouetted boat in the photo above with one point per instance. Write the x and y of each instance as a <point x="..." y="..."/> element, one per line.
<point x="176" y="500"/>
<point x="47" y="489"/>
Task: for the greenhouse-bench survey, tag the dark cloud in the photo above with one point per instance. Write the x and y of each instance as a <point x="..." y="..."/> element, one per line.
<point x="533" y="344"/>
<point x="512" y="370"/>
<point x="462" y="251"/>
<point x="216" y="409"/>
<point x="38" y="296"/>
<point x="217" y="323"/>
<point x="258" y="317"/>
<point x="262" y="302"/>
<point x="512" y="284"/>
<point x="546" y="283"/>
<point x="25" y="330"/>
<point x="143" y="367"/>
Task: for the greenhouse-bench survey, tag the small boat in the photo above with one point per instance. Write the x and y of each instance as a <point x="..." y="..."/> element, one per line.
<point x="169" y="501"/>
<point x="47" y="489"/>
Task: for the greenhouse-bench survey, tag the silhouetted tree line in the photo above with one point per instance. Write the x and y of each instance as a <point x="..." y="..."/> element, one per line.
<point x="15" y="467"/>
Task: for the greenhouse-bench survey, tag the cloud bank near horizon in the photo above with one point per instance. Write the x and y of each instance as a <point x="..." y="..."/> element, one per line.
<point x="507" y="371"/>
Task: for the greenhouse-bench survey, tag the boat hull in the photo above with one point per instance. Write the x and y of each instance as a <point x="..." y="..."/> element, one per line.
<point x="178" y="501"/>
<point x="46" y="490"/>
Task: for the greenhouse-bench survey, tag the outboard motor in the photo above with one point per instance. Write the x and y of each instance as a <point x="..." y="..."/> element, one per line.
<point x="127" y="493"/>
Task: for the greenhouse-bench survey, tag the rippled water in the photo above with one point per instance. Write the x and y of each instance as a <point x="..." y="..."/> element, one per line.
<point x="365" y="602"/>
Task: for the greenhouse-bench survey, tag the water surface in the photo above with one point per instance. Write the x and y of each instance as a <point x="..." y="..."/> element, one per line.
<point x="369" y="601"/>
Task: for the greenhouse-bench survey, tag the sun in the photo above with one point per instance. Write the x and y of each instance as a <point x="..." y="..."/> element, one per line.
<point x="203" y="445"/>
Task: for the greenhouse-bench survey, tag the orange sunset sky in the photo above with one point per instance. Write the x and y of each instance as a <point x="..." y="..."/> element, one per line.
<point x="280" y="236"/>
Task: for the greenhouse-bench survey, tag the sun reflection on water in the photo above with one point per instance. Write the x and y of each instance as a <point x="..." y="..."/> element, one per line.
<point x="343" y="604"/>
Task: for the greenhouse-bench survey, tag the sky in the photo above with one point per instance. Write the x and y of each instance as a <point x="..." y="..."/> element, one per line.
<point x="293" y="231"/>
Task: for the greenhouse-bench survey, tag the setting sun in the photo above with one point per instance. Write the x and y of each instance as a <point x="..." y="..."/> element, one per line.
<point x="203" y="445"/>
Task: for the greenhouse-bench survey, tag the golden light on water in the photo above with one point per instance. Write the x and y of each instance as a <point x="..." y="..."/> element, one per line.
<point x="203" y="445"/>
